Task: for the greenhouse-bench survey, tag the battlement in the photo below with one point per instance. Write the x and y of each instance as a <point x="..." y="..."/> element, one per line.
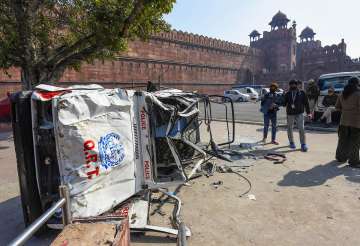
<point x="279" y="33"/>
<point x="206" y="42"/>
<point x="309" y="45"/>
<point x="283" y="34"/>
<point x="333" y="50"/>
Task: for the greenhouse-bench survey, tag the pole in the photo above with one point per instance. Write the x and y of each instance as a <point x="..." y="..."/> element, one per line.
<point x="35" y="226"/>
<point x="66" y="209"/>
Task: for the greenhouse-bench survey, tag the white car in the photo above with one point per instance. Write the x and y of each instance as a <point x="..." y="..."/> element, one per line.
<point x="236" y="96"/>
<point x="254" y="95"/>
<point x="267" y="90"/>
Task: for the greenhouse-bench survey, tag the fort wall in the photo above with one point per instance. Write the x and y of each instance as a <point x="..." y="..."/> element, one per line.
<point x="175" y="59"/>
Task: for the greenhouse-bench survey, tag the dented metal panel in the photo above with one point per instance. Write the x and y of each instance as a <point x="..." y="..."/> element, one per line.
<point x="95" y="142"/>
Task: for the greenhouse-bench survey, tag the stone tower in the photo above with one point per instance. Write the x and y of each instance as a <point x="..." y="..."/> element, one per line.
<point x="278" y="45"/>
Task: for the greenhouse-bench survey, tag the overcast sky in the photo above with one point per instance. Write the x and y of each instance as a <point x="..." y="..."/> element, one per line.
<point x="233" y="20"/>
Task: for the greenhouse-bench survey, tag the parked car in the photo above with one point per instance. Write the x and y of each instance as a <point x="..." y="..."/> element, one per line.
<point x="5" y="114"/>
<point x="236" y="96"/>
<point x="254" y="95"/>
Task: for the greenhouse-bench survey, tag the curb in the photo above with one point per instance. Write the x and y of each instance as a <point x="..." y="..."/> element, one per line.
<point x="256" y="123"/>
<point x="320" y="129"/>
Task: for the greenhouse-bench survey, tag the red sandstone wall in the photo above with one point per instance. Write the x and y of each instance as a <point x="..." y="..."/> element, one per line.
<point x="195" y="49"/>
<point x="9" y="83"/>
<point x="175" y="59"/>
<point x="127" y="73"/>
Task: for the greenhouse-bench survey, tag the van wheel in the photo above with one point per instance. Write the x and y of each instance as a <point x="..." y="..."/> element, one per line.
<point x="241" y="99"/>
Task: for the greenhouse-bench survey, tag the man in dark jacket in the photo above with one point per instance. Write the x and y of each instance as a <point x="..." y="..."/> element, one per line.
<point x="269" y="107"/>
<point x="296" y="103"/>
<point x="329" y="102"/>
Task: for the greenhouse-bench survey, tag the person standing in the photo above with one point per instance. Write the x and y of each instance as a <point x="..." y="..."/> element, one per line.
<point x="296" y="102"/>
<point x="312" y="93"/>
<point x="269" y="107"/>
<point x="349" y="129"/>
<point x="329" y="102"/>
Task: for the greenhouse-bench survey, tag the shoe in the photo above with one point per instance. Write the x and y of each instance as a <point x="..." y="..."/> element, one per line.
<point x="264" y="140"/>
<point x="304" y="148"/>
<point x="274" y="142"/>
<point x="292" y="145"/>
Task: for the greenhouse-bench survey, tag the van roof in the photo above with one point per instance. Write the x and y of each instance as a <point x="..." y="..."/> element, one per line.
<point x="342" y="74"/>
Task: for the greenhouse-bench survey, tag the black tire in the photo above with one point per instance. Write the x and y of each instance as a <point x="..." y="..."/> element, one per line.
<point x="240" y="99"/>
<point x="24" y="148"/>
<point x="181" y="238"/>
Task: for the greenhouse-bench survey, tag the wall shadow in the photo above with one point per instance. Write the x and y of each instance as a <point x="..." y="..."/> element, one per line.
<point x="318" y="175"/>
<point x="12" y="224"/>
<point x="11" y="220"/>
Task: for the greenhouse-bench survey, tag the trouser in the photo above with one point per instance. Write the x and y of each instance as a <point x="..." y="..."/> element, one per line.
<point x="312" y="103"/>
<point x="327" y="114"/>
<point x="273" y="118"/>
<point x="299" y="118"/>
<point x="348" y="144"/>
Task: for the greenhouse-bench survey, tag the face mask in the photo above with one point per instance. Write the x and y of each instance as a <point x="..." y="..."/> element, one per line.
<point x="293" y="87"/>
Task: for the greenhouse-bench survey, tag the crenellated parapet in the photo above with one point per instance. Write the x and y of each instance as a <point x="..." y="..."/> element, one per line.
<point x="333" y="50"/>
<point x="200" y="41"/>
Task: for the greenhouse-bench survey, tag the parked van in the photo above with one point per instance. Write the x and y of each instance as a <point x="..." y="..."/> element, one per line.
<point x="334" y="80"/>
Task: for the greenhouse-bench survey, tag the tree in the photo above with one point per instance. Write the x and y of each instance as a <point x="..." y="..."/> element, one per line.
<point x="44" y="37"/>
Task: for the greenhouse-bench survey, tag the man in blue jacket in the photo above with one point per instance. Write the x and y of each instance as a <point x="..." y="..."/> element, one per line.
<point x="269" y="107"/>
<point x="296" y="103"/>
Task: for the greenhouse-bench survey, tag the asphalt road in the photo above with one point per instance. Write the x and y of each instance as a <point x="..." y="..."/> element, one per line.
<point x="247" y="111"/>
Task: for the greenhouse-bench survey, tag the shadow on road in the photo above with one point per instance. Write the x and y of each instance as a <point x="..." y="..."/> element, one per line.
<point x="11" y="220"/>
<point x="318" y="175"/>
<point x="12" y="224"/>
<point x="152" y="239"/>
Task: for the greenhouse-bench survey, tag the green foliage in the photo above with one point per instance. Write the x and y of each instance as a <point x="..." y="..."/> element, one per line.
<point x="44" y="37"/>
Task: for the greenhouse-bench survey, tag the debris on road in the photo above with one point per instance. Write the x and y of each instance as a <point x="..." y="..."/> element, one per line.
<point x="217" y="184"/>
<point x="251" y="197"/>
<point x="276" y="158"/>
<point x="209" y="169"/>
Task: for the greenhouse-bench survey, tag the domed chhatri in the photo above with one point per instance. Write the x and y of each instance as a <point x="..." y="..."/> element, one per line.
<point x="279" y="20"/>
<point x="307" y="34"/>
<point x="254" y="36"/>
